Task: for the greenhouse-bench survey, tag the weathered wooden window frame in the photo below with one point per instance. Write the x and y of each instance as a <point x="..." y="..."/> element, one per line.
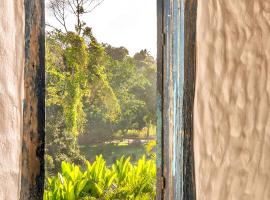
<point x="176" y="62"/>
<point x="33" y="139"/>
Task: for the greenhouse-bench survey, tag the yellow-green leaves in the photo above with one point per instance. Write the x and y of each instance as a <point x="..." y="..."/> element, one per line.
<point x="74" y="68"/>
<point x="123" y="181"/>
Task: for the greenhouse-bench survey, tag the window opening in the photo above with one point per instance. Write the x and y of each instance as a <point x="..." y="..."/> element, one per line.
<point x="101" y="79"/>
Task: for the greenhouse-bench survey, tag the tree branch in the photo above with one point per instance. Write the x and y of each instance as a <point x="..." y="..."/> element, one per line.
<point x="59" y="30"/>
<point x="95" y="6"/>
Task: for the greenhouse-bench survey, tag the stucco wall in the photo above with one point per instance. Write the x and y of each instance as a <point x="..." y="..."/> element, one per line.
<point x="11" y="94"/>
<point x="232" y="105"/>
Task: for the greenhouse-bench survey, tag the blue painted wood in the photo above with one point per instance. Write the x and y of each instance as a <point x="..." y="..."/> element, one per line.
<point x="178" y="78"/>
<point x="160" y="140"/>
<point x="178" y="68"/>
<point x="167" y="102"/>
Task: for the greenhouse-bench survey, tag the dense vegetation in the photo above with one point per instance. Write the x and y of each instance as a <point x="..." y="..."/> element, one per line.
<point x="93" y="97"/>
<point x="99" y="100"/>
<point x="122" y="181"/>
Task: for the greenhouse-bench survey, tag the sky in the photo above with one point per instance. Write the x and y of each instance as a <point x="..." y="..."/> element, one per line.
<point x="128" y="23"/>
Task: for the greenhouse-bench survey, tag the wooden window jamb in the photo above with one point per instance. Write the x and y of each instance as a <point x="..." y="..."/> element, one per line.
<point x="33" y="139"/>
<point x="176" y="65"/>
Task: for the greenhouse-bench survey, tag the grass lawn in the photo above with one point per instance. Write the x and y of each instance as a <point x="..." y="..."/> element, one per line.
<point x="112" y="152"/>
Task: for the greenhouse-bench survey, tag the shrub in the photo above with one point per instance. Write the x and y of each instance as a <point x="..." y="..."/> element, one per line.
<point x="122" y="181"/>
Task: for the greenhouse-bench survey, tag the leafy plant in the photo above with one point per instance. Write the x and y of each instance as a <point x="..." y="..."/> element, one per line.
<point x="122" y="181"/>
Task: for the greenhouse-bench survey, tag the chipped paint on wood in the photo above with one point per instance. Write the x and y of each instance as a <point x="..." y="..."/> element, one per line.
<point x="178" y="79"/>
<point x="32" y="178"/>
<point x="178" y="70"/>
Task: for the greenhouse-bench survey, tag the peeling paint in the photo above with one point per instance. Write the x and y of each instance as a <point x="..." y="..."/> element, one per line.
<point x="178" y="96"/>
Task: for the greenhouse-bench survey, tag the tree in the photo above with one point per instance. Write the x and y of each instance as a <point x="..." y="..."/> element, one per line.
<point x="134" y="85"/>
<point x="77" y="8"/>
<point x="68" y="80"/>
<point x="116" y="53"/>
<point x="143" y="58"/>
<point x="64" y="83"/>
<point x="76" y="77"/>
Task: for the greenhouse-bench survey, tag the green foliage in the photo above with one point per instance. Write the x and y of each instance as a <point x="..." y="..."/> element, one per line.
<point x="134" y="84"/>
<point x="93" y="92"/>
<point x="75" y="73"/>
<point x="59" y="145"/>
<point x="116" y="53"/>
<point x="75" y="57"/>
<point x="66" y="65"/>
<point x="150" y="149"/>
<point x="73" y="70"/>
<point x="113" y="151"/>
<point x="122" y="181"/>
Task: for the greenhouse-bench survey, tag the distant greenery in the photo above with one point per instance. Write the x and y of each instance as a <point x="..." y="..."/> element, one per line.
<point x="111" y="152"/>
<point x="122" y="181"/>
<point x="95" y="93"/>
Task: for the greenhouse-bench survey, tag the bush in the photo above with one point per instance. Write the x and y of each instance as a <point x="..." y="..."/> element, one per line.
<point x="122" y="181"/>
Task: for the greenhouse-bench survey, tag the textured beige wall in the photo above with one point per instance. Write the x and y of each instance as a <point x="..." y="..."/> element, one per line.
<point x="11" y="92"/>
<point x="232" y="105"/>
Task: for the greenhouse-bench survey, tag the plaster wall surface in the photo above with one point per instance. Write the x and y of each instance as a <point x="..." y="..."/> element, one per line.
<point x="232" y="100"/>
<point x="11" y="95"/>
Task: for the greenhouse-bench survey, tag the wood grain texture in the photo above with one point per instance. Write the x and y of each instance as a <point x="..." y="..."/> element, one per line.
<point x="32" y="180"/>
<point x="188" y="98"/>
<point x="159" y="150"/>
<point x="232" y="101"/>
<point x="179" y="56"/>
